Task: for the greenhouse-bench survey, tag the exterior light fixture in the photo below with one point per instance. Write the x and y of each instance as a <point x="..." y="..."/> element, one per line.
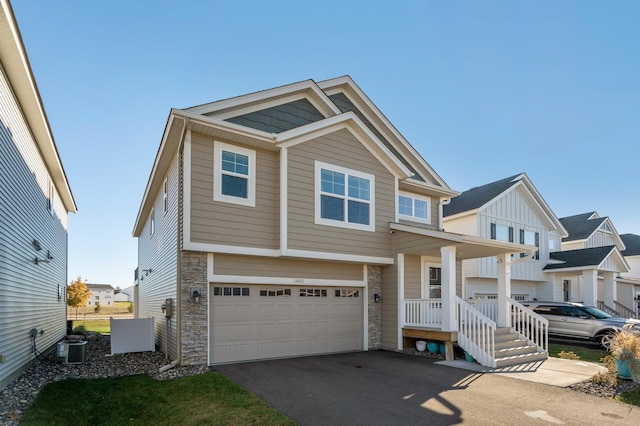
<point x="376" y="297"/>
<point x="195" y="295"/>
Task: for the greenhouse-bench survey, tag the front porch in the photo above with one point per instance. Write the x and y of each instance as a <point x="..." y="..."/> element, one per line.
<point x="495" y="333"/>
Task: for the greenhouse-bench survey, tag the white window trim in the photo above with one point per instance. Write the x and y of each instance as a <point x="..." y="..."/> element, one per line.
<point x="152" y="222"/>
<point x="250" y="201"/>
<point x="414" y="197"/>
<point x="319" y="165"/>
<point x="165" y="196"/>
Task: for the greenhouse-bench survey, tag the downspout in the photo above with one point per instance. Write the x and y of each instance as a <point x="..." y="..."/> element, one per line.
<point x="180" y="159"/>
<point x="443" y="202"/>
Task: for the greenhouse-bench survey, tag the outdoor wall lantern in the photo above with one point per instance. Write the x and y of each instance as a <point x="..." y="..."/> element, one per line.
<point x="376" y="297"/>
<point x="195" y="296"/>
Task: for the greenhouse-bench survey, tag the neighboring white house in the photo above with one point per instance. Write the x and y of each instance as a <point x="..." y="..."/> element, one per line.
<point x="510" y="209"/>
<point x="121" y="297"/>
<point x="101" y="294"/>
<point x="590" y="264"/>
<point x="35" y="202"/>
<point x="629" y="282"/>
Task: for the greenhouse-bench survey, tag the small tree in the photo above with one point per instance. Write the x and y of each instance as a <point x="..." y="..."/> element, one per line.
<point x="77" y="294"/>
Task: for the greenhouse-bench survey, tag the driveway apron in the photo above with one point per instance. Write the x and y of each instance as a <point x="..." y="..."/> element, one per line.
<point x="389" y="388"/>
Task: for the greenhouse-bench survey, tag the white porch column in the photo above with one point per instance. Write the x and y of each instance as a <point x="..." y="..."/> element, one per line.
<point x="610" y="290"/>
<point x="557" y="288"/>
<point x="504" y="290"/>
<point x="448" y="255"/>
<point x="590" y="287"/>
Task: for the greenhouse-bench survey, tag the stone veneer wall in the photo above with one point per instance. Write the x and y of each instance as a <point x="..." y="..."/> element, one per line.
<point x="374" y="283"/>
<point x="193" y="326"/>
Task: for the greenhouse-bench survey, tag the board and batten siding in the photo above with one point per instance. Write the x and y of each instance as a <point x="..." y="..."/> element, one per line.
<point x="512" y="209"/>
<point x="159" y="252"/>
<point x="600" y="239"/>
<point x="255" y="266"/>
<point x="341" y="149"/>
<point x="31" y="295"/>
<point x="215" y="222"/>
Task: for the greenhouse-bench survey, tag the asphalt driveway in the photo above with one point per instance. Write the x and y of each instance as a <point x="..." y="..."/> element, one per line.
<point x="389" y="388"/>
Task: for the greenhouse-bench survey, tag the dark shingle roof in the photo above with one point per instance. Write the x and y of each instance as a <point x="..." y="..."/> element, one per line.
<point x="632" y="243"/>
<point x="579" y="226"/>
<point x="280" y="118"/>
<point x="478" y="196"/>
<point x="579" y="258"/>
<point x="344" y="104"/>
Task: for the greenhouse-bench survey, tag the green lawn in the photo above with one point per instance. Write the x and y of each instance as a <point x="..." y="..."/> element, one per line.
<point x="208" y="398"/>
<point x="585" y="354"/>
<point x="102" y="326"/>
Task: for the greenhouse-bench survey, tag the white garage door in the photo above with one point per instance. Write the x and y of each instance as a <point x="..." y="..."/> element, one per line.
<point x="251" y="322"/>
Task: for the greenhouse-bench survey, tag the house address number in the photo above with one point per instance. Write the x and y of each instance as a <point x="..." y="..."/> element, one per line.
<point x="298" y="280"/>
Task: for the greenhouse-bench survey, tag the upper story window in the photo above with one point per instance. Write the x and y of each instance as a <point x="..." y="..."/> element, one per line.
<point x="530" y="238"/>
<point x="344" y="197"/>
<point x="414" y="207"/>
<point x="502" y="232"/>
<point x="165" y="196"/>
<point x="234" y="177"/>
<point x="604" y="227"/>
<point x="152" y="222"/>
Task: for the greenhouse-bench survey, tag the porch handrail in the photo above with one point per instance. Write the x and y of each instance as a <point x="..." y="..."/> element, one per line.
<point x="608" y="309"/>
<point x="476" y="333"/>
<point x="488" y="307"/>
<point x="624" y="311"/>
<point x="531" y="325"/>
<point x="422" y="313"/>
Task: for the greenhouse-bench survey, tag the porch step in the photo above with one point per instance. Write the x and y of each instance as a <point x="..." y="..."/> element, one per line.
<point x="511" y="349"/>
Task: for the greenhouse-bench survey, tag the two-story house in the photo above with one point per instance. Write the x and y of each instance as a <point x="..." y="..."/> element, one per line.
<point x="101" y="294"/>
<point x="510" y="209"/>
<point x="35" y="200"/>
<point x="299" y="221"/>
<point x="591" y="260"/>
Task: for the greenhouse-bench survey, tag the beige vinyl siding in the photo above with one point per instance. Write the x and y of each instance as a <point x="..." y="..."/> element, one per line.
<point x="254" y="266"/>
<point x="159" y="253"/>
<point x="412" y="277"/>
<point x="389" y="308"/>
<point x="223" y="223"/>
<point x="512" y="209"/>
<point x="573" y="245"/>
<point x="466" y="225"/>
<point x="28" y="292"/>
<point x="634" y="267"/>
<point x="344" y="150"/>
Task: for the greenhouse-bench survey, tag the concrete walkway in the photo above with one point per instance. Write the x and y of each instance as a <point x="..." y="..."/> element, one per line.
<point x="552" y="371"/>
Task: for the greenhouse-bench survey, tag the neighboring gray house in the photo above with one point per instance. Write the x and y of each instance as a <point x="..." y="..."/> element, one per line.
<point x="298" y="221"/>
<point x="101" y="294"/>
<point x="35" y="200"/>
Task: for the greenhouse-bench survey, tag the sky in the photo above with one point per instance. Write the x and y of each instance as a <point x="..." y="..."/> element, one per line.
<point x="483" y="90"/>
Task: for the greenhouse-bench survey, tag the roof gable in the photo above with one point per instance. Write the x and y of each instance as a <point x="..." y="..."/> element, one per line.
<point x="582" y="226"/>
<point x="481" y="197"/>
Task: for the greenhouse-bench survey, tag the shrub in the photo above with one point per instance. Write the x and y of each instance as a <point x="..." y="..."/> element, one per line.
<point x="80" y="330"/>
<point x="568" y="355"/>
<point x="130" y="308"/>
<point x="98" y="308"/>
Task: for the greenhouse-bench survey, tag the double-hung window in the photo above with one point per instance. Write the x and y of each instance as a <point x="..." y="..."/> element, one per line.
<point x="344" y="197"/>
<point x="414" y="207"/>
<point x="234" y="178"/>
<point x="530" y="238"/>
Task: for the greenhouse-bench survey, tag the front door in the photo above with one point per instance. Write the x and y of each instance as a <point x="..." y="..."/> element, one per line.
<point x="566" y="290"/>
<point x="432" y="286"/>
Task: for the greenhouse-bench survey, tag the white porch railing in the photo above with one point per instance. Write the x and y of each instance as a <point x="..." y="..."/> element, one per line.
<point x="476" y="333"/>
<point x="422" y="313"/>
<point x="529" y="324"/>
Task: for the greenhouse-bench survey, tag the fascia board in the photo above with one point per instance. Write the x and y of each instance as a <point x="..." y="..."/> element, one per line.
<point x="346" y="80"/>
<point x="616" y="234"/>
<point x="620" y="258"/>
<point x="15" y="62"/>
<point x="263" y="95"/>
<point x="345" y="120"/>
<point x="544" y="206"/>
<point x="144" y="209"/>
<point x="225" y="125"/>
<point x="446" y="193"/>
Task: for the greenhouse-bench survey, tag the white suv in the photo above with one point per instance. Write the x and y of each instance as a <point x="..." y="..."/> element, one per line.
<point x="577" y="321"/>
